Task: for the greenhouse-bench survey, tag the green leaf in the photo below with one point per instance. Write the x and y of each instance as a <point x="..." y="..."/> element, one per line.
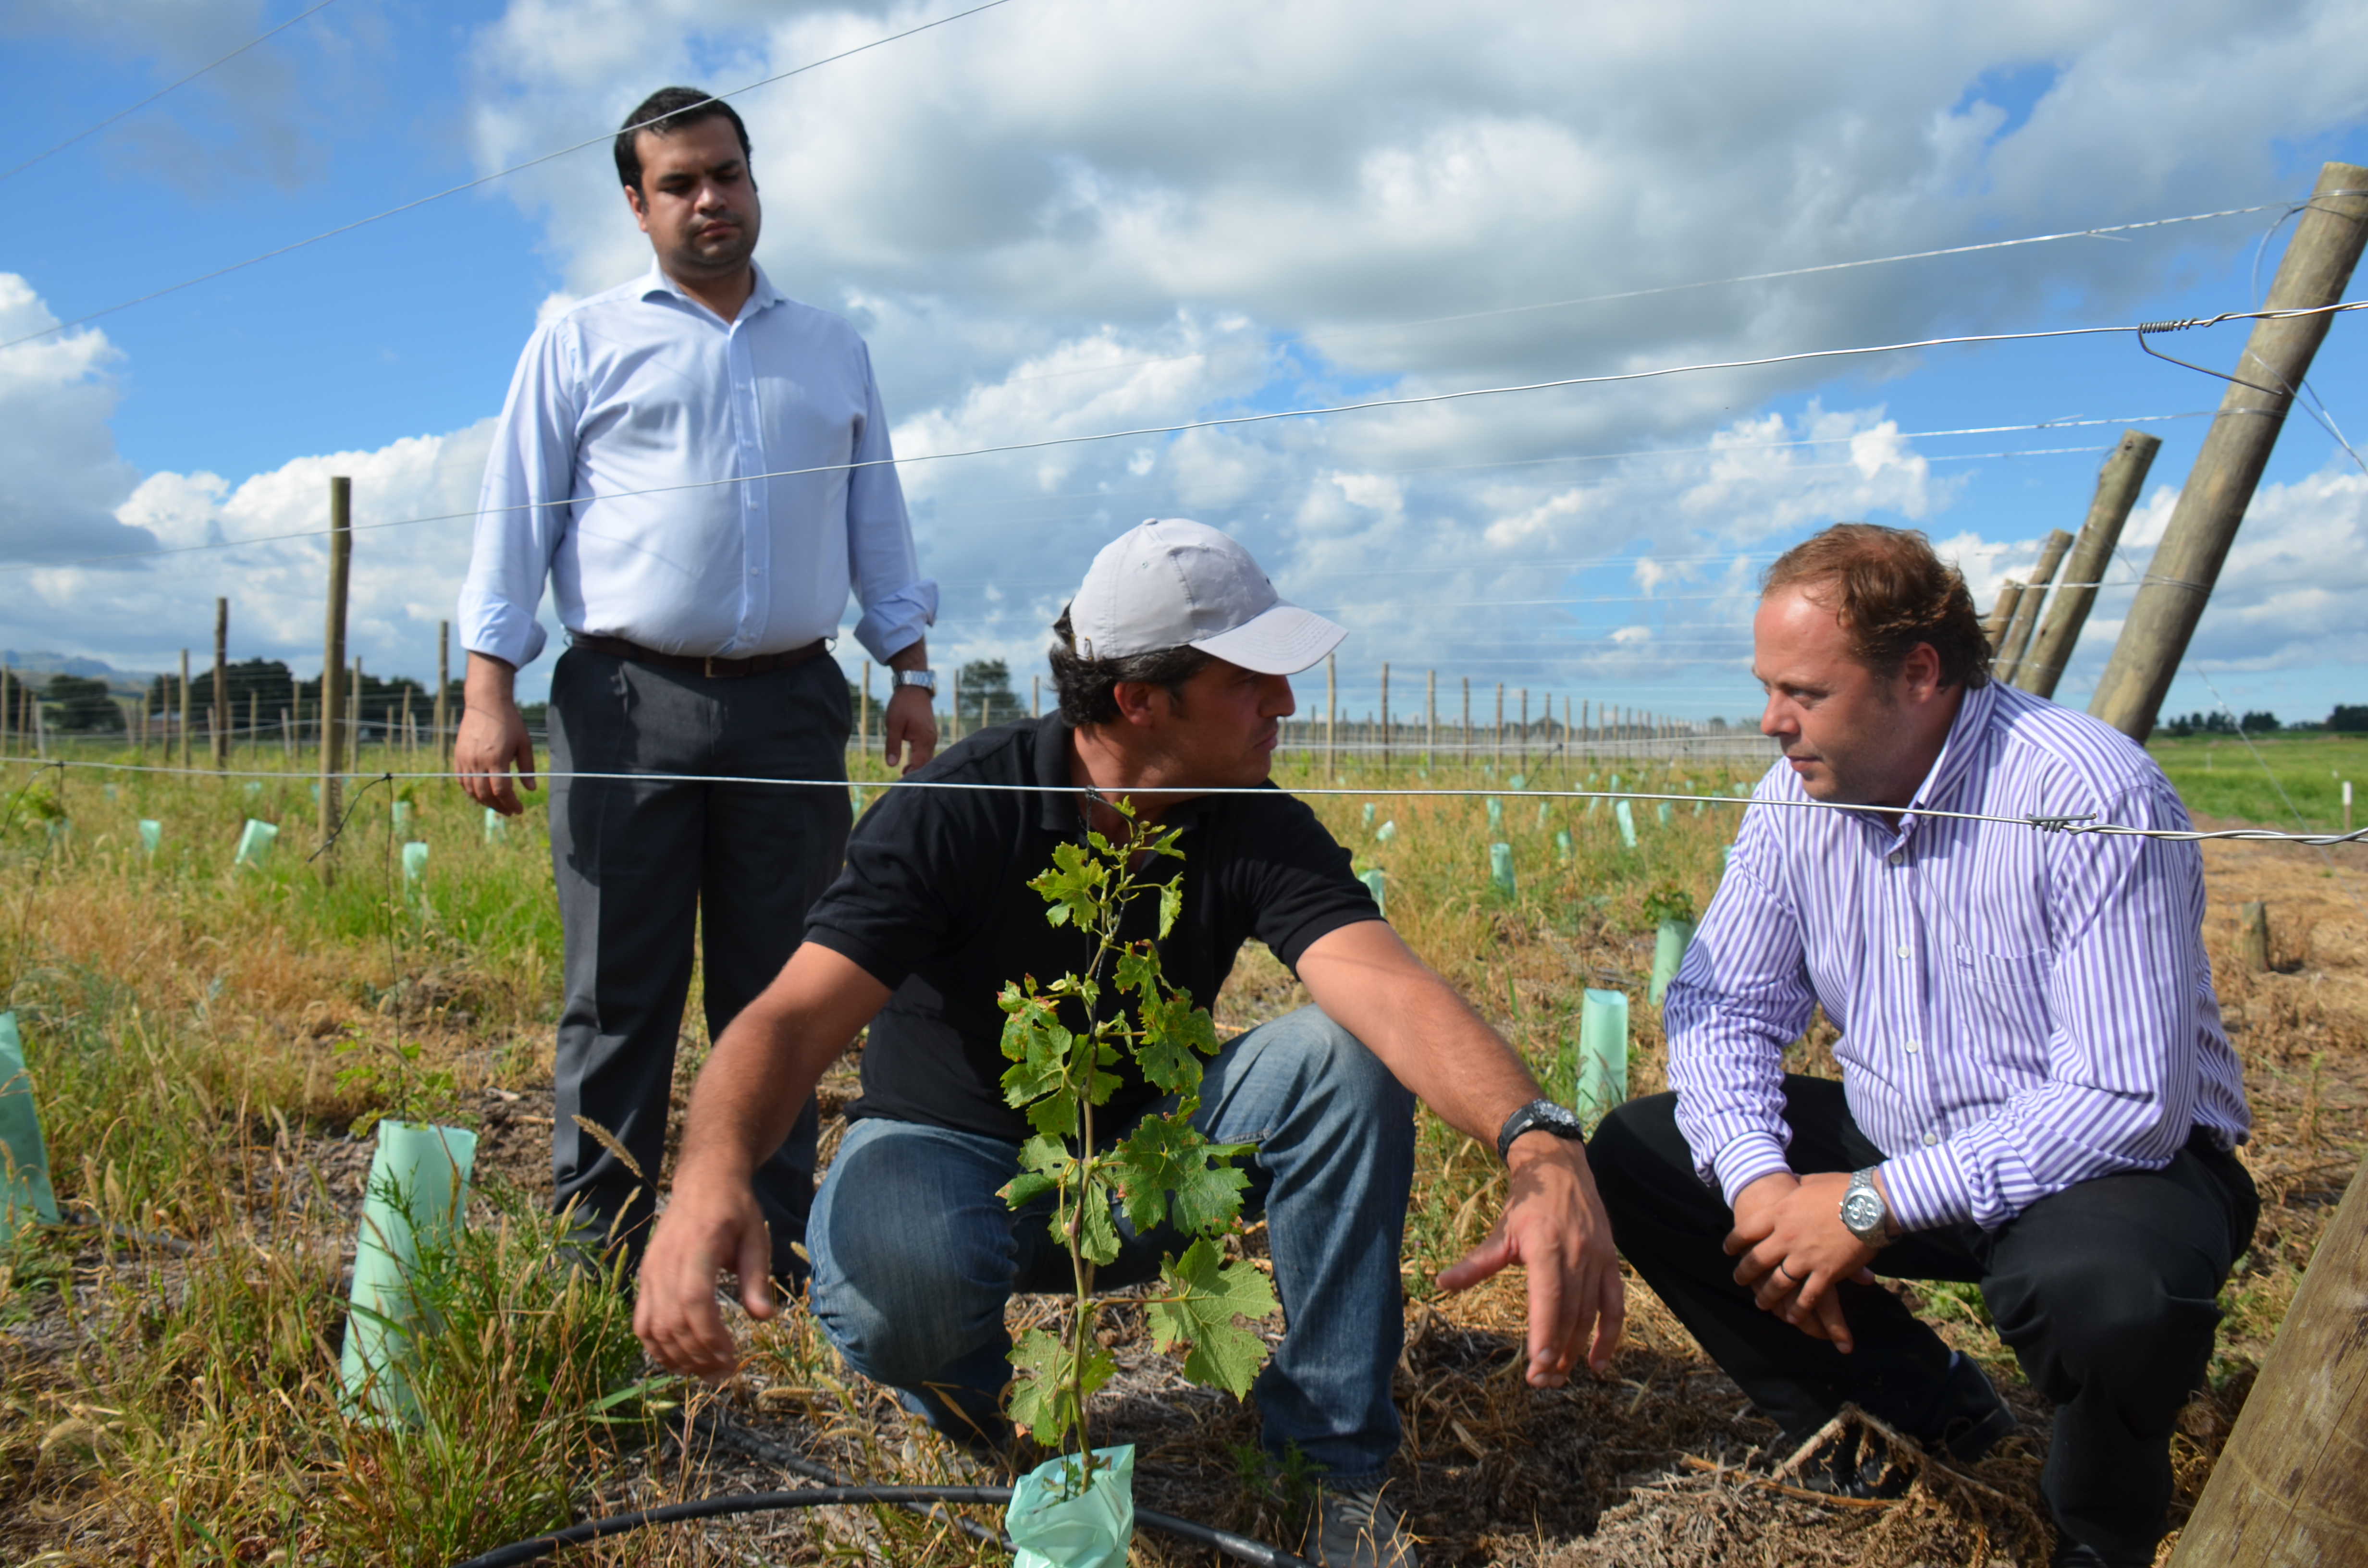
<point x="1171" y="905"/>
<point x="1072" y="886"/>
<point x="1167" y="1160"/>
<point x="1173" y="1029"/>
<point x="1100" y="1241"/>
<point x="1138" y="969"/>
<point x="1042" y="1404"/>
<point x="1204" y="1295"/>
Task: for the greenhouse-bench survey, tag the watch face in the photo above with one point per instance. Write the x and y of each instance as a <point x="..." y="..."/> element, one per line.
<point x="1862" y="1211"/>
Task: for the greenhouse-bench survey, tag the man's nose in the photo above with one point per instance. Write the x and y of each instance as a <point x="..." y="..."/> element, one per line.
<point x="1776" y="718"/>
<point x="1280" y="703"/>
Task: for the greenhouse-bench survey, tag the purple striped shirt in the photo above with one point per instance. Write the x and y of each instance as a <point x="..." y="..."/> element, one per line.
<point x="2019" y="1010"/>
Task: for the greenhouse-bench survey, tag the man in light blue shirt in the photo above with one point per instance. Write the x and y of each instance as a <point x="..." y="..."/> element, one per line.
<point x="701" y="466"/>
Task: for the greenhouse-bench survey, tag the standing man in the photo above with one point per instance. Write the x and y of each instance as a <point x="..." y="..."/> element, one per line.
<point x="701" y="466"/>
<point x="2035" y="1097"/>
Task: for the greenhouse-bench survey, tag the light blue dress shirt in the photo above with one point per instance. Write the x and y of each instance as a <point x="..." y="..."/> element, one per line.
<point x="631" y="405"/>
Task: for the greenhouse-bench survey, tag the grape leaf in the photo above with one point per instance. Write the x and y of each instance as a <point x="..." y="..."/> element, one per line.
<point x="1167" y="1158"/>
<point x="1138" y="969"/>
<point x="1172" y="1030"/>
<point x="1100" y="1241"/>
<point x="1043" y="1403"/>
<point x="1171" y="905"/>
<point x="1072" y="886"/>
<point x="1204" y="1295"/>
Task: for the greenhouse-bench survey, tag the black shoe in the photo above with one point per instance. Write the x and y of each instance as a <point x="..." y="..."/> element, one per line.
<point x="2070" y="1553"/>
<point x="1967" y="1418"/>
<point x="1854" y="1462"/>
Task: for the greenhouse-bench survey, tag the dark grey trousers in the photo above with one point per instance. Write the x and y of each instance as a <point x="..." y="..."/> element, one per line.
<point x="641" y="864"/>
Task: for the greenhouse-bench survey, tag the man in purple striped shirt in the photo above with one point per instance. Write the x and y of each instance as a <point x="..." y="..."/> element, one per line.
<point x="2036" y="1095"/>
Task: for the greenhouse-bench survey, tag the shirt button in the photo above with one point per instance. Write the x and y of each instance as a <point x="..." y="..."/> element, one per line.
<point x="1914" y="1046"/>
<point x="1931" y="1139"/>
<point x="1907" y="952"/>
<point x="1897" y="856"/>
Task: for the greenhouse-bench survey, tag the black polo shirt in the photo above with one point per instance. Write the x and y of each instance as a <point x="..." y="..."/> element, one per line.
<point x="935" y="905"/>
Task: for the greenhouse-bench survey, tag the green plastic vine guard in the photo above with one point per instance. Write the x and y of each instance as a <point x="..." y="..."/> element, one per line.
<point x="1369" y="814"/>
<point x="401" y="811"/>
<point x="1562" y="847"/>
<point x="414" y="862"/>
<point x="25" y="1195"/>
<point x="496" y="830"/>
<point x="255" y="786"/>
<point x="1669" y="945"/>
<point x="1518" y="781"/>
<point x="1594" y="805"/>
<point x="1495" y="814"/>
<point x="419" y="1185"/>
<point x="1386" y="832"/>
<point x="855" y="798"/>
<point x="1667" y="813"/>
<point x="109" y="789"/>
<point x="1054" y="1525"/>
<point x="1614" y="785"/>
<point x="1378" y="885"/>
<point x="152" y="834"/>
<point x="1500" y="869"/>
<point x="1603" y="1052"/>
<point x="1627" y="823"/>
<point x="254" y="843"/>
<point x="1545" y="814"/>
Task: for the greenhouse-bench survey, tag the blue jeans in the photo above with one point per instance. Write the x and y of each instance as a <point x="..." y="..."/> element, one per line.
<point x="914" y="1254"/>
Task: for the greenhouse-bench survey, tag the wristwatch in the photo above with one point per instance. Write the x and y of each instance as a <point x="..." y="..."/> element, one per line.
<point x="1538" y="1115"/>
<point x="926" y="679"/>
<point x="1863" y="1210"/>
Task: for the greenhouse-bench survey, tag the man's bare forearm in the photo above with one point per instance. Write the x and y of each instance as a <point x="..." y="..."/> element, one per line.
<point x="490" y="685"/>
<point x="1372" y="986"/>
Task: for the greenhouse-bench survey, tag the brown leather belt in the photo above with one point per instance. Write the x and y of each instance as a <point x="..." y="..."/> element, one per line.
<point x="724" y="669"/>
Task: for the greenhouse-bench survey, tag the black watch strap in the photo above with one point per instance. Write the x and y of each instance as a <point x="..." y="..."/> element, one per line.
<point x="1538" y="1115"/>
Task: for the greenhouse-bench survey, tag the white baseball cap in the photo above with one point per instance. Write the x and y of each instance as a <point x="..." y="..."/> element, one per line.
<point x="1172" y="583"/>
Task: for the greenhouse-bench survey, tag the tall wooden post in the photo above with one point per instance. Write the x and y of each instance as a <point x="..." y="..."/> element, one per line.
<point x="1525" y="729"/>
<point x="2001" y="614"/>
<point x="1500" y="723"/>
<point x="1464" y="747"/>
<point x="2291" y="1487"/>
<point x="333" y="663"/>
<point x="1385" y="720"/>
<point x="1429" y="717"/>
<point x="220" y="709"/>
<point x="2026" y="609"/>
<point x="253" y="716"/>
<point x="1331" y="717"/>
<point x="443" y="687"/>
<point x="2118" y="484"/>
<point x="184" y="708"/>
<point x="2178" y="581"/>
<point x="1035" y="697"/>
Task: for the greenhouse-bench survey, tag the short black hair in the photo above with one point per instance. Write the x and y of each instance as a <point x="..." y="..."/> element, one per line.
<point x="1087" y="688"/>
<point x="663" y="113"/>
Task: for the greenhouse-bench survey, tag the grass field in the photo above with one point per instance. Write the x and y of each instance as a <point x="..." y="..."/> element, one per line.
<point x="204" y="1038"/>
<point x="2221" y="776"/>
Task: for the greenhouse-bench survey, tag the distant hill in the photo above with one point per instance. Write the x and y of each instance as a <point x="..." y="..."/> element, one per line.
<point x="40" y="666"/>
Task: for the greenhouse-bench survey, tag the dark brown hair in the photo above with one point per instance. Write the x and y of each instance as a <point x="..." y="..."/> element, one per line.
<point x="1087" y="688"/>
<point x="663" y="113"/>
<point x="1891" y="592"/>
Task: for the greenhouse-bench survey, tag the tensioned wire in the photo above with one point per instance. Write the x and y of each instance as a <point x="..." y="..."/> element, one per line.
<point x="2082" y="824"/>
<point x="1317" y="411"/>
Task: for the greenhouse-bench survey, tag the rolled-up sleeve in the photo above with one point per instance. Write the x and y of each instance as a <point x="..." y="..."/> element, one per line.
<point x="522" y="508"/>
<point x="1741" y="997"/>
<point x="899" y="604"/>
<point x="2122" y="1070"/>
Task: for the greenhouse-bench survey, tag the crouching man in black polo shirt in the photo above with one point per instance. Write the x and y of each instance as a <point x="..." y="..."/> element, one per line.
<point x="1172" y="668"/>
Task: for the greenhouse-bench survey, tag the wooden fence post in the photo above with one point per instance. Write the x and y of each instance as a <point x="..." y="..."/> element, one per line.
<point x="2026" y="609"/>
<point x="2212" y="503"/>
<point x="1464" y="740"/>
<point x="1385" y="720"/>
<point x="184" y="708"/>
<point x="2001" y="613"/>
<point x="1429" y="717"/>
<point x="443" y="688"/>
<point x="220" y="707"/>
<point x="333" y="663"/>
<point x="1331" y="718"/>
<point x="2290" y="1486"/>
<point x="2118" y="484"/>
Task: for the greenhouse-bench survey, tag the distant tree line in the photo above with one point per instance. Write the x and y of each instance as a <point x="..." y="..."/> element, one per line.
<point x="2347" y="718"/>
<point x="258" y="690"/>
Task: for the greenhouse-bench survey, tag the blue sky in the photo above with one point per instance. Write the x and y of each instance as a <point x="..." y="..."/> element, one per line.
<point x="1032" y="214"/>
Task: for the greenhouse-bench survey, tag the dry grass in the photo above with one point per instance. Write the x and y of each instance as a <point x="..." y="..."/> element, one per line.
<point x="203" y="1037"/>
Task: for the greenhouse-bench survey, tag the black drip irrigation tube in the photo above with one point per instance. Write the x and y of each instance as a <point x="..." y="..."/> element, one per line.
<point x="838" y="1491"/>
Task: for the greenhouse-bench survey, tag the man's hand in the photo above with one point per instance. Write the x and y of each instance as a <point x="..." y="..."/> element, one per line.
<point x="908" y="719"/>
<point x="1554" y="1226"/>
<point x="492" y="737"/>
<point x="712" y="1223"/>
<point x="1795" y="1250"/>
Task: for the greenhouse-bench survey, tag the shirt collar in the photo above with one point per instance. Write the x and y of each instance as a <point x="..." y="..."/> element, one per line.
<point x="1062" y="796"/>
<point x="763" y="296"/>
<point x="1957" y="753"/>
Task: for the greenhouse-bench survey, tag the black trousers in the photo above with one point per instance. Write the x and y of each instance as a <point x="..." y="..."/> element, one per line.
<point x="2106" y="1292"/>
<point x="643" y="864"/>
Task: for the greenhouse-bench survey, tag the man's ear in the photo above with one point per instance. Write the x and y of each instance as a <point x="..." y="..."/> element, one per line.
<point x="1920" y="672"/>
<point x="1140" y="702"/>
<point x="641" y="209"/>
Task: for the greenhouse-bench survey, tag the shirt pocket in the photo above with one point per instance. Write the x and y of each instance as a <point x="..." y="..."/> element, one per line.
<point x="2002" y="988"/>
